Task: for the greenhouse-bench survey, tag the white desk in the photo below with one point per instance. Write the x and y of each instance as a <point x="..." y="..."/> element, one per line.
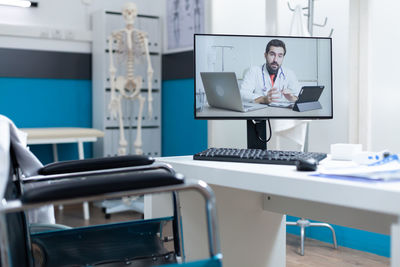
<point x="253" y="198"/>
<point x="54" y="136"/>
<point x="264" y="112"/>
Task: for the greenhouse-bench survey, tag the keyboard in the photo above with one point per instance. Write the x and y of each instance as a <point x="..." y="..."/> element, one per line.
<point x="256" y="156"/>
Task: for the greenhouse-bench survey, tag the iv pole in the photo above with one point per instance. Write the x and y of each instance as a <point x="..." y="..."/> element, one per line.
<point x="310" y="17"/>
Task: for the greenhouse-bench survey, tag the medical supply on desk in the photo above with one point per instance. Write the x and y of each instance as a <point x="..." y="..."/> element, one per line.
<point x="367" y="158"/>
<point x="386" y="169"/>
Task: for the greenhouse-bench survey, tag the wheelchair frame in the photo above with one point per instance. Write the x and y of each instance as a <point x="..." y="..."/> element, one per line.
<point x="19" y="205"/>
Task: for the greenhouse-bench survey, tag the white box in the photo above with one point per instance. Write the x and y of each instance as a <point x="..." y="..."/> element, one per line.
<point x="344" y="151"/>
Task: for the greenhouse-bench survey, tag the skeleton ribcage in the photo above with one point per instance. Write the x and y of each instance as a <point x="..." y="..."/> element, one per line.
<point x="128" y="60"/>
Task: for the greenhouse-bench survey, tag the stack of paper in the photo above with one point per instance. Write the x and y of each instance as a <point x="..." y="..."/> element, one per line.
<point x="387" y="169"/>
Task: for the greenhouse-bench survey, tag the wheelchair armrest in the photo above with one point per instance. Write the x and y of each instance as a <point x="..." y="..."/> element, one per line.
<point x="98" y="184"/>
<point x="95" y="164"/>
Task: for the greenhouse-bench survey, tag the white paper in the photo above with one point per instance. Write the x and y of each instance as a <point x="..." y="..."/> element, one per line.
<point x="386" y="170"/>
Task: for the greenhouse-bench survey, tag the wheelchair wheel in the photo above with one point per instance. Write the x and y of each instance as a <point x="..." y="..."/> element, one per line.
<point x="39" y="255"/>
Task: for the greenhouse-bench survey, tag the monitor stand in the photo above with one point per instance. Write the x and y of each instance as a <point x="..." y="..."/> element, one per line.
<point x="252" y="138"/>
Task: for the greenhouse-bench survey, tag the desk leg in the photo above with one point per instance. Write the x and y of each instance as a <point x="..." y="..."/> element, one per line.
<point x="395" y="244"/>
<point x="86" y="214"/>
<point x="55" y="153"/>
<point x="249" y="235"/>
<point x="80" y="150"/>
<point x="55" y="158"/>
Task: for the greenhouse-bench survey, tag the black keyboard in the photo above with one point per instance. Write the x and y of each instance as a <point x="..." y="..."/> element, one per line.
<point x="256" y="156"/>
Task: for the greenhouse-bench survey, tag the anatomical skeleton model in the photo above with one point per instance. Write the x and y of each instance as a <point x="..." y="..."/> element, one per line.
<point x="131" y="44"/>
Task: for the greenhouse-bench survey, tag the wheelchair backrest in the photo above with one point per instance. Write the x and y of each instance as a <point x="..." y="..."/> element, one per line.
<point x="18" y="245"/>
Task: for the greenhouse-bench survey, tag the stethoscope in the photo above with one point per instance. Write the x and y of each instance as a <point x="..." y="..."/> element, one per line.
<point x="263" y="76"/>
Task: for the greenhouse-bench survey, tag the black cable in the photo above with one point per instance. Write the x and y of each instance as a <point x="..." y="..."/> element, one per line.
<point x="258" y="134"/>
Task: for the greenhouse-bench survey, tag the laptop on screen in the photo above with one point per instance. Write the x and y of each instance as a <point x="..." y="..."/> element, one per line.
<point x="222" y="91"/>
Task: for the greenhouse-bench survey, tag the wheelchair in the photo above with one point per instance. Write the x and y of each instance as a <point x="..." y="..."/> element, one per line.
<point x="135" y="243"/>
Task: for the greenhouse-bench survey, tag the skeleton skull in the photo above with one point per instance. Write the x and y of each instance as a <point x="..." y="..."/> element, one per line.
<point x="129" y="11"/>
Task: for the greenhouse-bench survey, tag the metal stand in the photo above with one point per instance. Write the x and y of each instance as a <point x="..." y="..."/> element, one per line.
<point x="303" y="223"/>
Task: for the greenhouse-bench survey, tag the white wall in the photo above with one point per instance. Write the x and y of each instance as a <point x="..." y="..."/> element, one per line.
<point x="365" y="63"/>
<point x="325" y="132"/>
<point x="70" y="14"/>
<point x="60" y="25"/>
<point x="383" y="74"/>
<point x="246" y="52"/>
<point x="234" y="17"/>
<point x="374" y="56"/>
<point x="250" y="18"/>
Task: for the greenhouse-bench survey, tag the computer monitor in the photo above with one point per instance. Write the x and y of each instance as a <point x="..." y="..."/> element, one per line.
<point x="262" y="77"/>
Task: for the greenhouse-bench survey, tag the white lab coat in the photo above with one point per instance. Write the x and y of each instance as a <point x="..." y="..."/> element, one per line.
<point x="29" y="166"/>
<point x="254" y="80"/>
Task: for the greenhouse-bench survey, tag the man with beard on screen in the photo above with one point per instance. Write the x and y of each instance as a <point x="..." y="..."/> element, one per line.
<point x="271" y="83"/>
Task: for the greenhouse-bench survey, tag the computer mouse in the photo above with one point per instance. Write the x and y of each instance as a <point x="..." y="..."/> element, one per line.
<point x="306" y="164"/>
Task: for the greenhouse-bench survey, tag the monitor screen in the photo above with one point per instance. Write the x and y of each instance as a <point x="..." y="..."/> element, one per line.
<point x="260" y="77"/>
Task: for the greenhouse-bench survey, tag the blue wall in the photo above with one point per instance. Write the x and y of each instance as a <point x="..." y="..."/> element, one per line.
<point x="181" y="133"/>
<point x="34" y="102"/>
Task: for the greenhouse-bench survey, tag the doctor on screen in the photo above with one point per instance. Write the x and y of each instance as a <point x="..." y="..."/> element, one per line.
<point x="271" y="83"/>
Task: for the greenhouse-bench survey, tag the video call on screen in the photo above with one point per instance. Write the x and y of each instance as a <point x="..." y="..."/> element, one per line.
<point x="306" y="64"/>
